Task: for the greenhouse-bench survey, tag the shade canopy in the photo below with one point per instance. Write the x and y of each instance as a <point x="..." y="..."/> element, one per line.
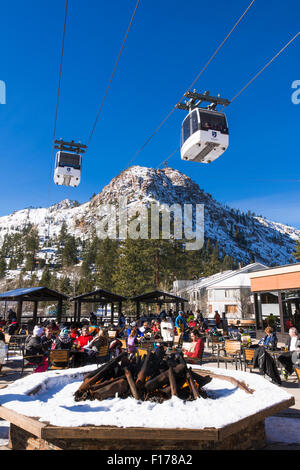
<point x="100" y="295"/>
<point x="33" y="294"/>
<point x="158" y="296"/>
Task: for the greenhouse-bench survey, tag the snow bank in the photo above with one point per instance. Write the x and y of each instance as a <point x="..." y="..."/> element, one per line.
<point x="54" y="402"/>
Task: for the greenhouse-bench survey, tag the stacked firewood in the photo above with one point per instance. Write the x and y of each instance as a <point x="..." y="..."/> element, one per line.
<point x="155" y="377"/>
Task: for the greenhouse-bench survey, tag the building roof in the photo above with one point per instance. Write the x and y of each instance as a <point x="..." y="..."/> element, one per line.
<point x="158" y="296"/>
<point x="31" y="294"/>
<point x="234" y="278"/>
<point x="99" y="295"/>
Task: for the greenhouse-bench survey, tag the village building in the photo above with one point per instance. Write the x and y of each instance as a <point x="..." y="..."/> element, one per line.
<point x="227" y="291"/>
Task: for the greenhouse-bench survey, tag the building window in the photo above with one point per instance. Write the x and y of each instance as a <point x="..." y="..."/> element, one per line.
<point x="231" y="309"/>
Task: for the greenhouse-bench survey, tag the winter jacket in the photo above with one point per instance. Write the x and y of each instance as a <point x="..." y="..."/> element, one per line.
<point x="181" y="324"/>
<point x="266" y="364"/>
<point x="59" y="344"/>
<point x="83" y="340"/>
<point x="131" y="344"/>
<point x="167" y="330"/>
<point x="269" y="341"/>
<point x="197" y="351"/>
<point x="34" y="347"/>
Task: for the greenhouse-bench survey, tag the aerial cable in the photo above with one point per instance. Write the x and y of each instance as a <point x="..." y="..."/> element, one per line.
<point x="247" y="84"/>
<point x="264" y="68"/>
<point x="192" y="84"/>
<point x="113" y="73"/>
<point x="58" y="94"/>
<point x="56" y="108"/>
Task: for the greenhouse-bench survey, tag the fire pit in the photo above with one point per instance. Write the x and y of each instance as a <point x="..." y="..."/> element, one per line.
<point x="68" y="409"/>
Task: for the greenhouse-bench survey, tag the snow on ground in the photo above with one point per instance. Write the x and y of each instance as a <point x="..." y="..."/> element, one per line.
<point x="54" y="402"/>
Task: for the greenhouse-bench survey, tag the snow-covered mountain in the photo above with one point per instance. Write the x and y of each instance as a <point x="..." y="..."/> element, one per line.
<point x="245" y="237"/>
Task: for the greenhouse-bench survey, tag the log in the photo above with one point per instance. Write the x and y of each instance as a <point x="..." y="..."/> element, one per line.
<point x="140" y="381"/>
<point x="192" y="385"/>
<point x="201" y="380"/>
<point x="163" y="378"/>
<point x="232" y="380"/>
<point x="131" y="384"/>
<point x="101" y="384"/>
<point x="100" y="374"/>
<point x="119" y="386"/>
<point x="172" y="383"/>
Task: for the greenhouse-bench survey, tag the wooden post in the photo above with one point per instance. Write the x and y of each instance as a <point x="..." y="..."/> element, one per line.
<point x="281" y="312"/>
<point x="19" y="311"/>
<point x="79" y="310"/>
<point x="137" y="310"/>
<point x="35" y="310"/>
<point x="75" y="311"/>
<point x="59" y="310"/>
<point x="112" y="313"/>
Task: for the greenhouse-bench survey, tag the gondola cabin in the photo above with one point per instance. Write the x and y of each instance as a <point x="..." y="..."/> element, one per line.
<point x="204" y="135"/>
<point x="67" y="169"/>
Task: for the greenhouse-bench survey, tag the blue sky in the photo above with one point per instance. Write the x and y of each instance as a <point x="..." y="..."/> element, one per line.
<point x="168" y="45"/>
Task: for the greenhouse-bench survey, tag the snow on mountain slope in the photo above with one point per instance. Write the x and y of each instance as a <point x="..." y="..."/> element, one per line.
<point x="245" y="237"/>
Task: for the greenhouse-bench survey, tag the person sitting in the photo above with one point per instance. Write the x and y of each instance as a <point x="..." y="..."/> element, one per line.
<point x="286" y="358"/>
<point x="34" y="346"/>
<point x="63" y="341"/>
<point x="23" y="330"/>
<point x="54" y="327"/>
<point x="270" y="339"/>
<point x="145" y="329"/>
<point x="13" y="327"/>
<point x="84" y="338"/>
<point x="115" y="347"/>
<point x="197" y="346"/>
<point x="156" y="327"/>
<point x="132" y="341"/>
<point x="3" y="350"/>
<point x="48" y="338"/>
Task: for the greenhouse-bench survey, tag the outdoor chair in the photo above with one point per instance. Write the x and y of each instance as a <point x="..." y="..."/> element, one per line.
<point x="15" y="343"/>
<point x="124" y="345"/>
<point x="232" y="351"/>
<point x="215" y="343"/>
<point x="297" y="370"/>
<point x="142" y="352"/>
<point x="29" y="360"/>
<point x="248" y="355"/>
<point x="59" y="359"/>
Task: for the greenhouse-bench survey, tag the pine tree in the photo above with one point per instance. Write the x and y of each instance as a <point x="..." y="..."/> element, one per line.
<point x="2" y="267"/>
<point x="31" y="247"/>
<point x="106" y="263"/>
<point x="69" y="252"/>
<point x="297" y="251"/>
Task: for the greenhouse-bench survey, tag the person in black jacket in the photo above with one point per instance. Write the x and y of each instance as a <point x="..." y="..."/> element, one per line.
<point x="34" y="346"/>
<point x="266" y="364"/>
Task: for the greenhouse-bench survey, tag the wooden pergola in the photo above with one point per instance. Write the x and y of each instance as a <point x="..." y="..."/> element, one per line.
<point x="159" y="298"/>
<point x="35" y="295"/>
<point x="99" y="296"/>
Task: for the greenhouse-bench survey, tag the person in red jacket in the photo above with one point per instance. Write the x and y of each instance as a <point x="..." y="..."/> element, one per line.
<point x="197" y="346"/>
<point x="85" y="337"/>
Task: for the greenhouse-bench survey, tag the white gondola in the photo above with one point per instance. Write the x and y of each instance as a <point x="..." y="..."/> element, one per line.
<point x="67" y="169"/>
<point x="204" y="135"/>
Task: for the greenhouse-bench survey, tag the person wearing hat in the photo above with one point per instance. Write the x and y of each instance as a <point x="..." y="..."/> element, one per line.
<point x="63" y="340"/>
<point x="34" y="345"/>
<point x="167" y="330"/>
<point x="180" y="323"/>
